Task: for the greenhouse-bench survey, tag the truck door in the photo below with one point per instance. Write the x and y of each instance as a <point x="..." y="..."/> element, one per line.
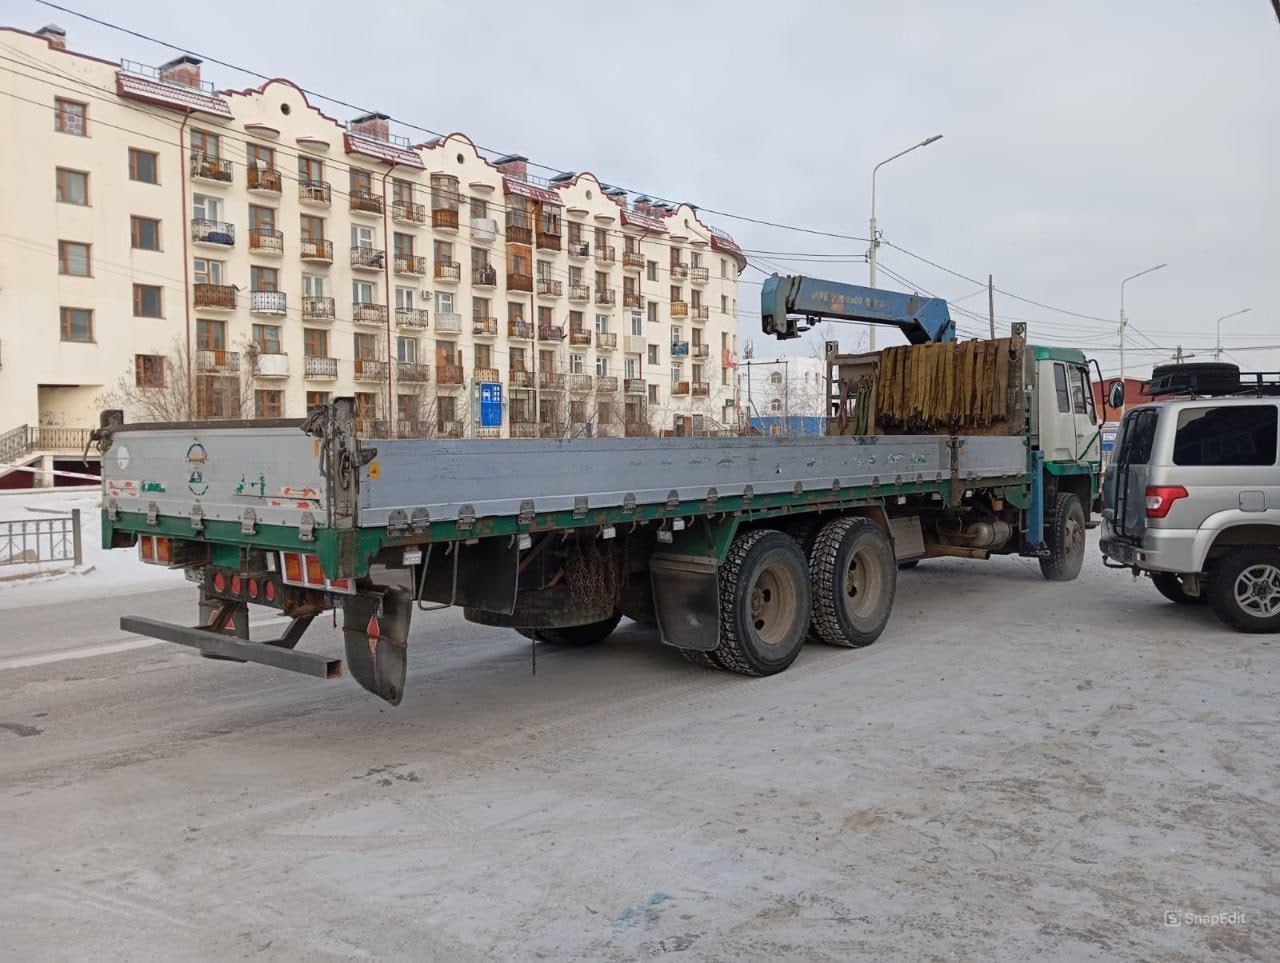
<point x="1057" y="419"/>
<point x="1088" y="433"/>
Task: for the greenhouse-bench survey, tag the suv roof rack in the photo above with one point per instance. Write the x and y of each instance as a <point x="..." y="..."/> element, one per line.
<point x="1215" y="379"/>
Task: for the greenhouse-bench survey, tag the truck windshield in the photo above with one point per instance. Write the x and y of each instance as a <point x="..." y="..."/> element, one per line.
<point x="1230" y="435"/>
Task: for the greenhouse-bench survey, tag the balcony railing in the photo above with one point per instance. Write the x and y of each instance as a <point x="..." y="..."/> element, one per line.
<point x="409" y="212"/>
<point x="317" y="309"/>
<point x="606" y="340"/>
<point x="580" y="383"/>
<point x="519" y="282"/>
<point x="448" y="271"/>
<point x="606" y="383"/>
<point x="484" y="327"/>
<point x="273" y="303"/>
<point x="368" y="258"/>
<point x="209" y="168"/>
<point x="449" y="427"/>
<point x="700" y="351"/>
<point x="548" y="288"/>
<point x="266" y="242"/>
<point x="701" y="389"/>
<point x="448" y="322"/>
<point x="700" y="312"/>
<point x="635" y="386"/>
<point x="217" y="361"/>
<point x="551" y="380"/>
<point x="520" y="330"/>
<point x="214" y="296"/>
<point x="520" y="378"/>
<point x="606" y="253"/>
<point x="699" y="275"/>
<point x="366" y="312"/>
<point x="413" y="372"/>
<point x="314" y="367"/>
<point x="680" y="388"/>
<point x="518" y="230"/>
<point x="548" y="241"/>
<point x="579" y="249"/>
<point x="486" y="374"/>
<point x="411" y="264"/>
<point x="578" y="337"/>
<point x="579" y="293"/>
<point x="631" y="299"/>
<point x="444" y="218"/>
<point x="316" y="249"/>
<point x="550" y="332"/>
<point x="606" y="297"/>
<point x="485" y="277"/>
<point x="315" y="192"/>
<point x="411" y="317"/>
<point x="263" y="179"/>
<point x="205" y="231"/>
<point x="365" y="202"/>
<point x="633" y="260"/>
<point x="370" y="369"/>
<point x="679" y="309"/>
<point x="525" y="429"/>
<point x="679" y="271"/>
<point x="451" y="374"/>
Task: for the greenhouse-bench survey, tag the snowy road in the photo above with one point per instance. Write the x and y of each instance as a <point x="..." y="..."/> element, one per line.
<point x="1017" y="770"/>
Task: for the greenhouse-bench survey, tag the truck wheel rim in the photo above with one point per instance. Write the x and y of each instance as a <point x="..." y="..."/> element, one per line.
<point x="863" y="583"/>
<point x="1074" y="536"/>
<point x="773" y="604"/>
<point x="1257" y="590"/>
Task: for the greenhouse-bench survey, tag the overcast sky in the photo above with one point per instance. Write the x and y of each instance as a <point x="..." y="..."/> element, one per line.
<point x="1083" y="142"/>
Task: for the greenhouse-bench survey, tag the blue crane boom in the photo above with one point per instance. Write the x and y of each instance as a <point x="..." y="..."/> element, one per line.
<point x="785" y="300"/>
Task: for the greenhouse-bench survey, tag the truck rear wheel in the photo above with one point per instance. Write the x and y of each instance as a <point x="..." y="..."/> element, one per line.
<point x="1170" y="586"/>
<point x="854" y="576"/>
<point x="764" y="603"/>
<point x="576" y="635"/>
<point x="1064" y="533"/>
<point x="1244" y="590"/>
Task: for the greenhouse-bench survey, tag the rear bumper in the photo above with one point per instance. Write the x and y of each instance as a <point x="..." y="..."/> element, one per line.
<point x="1161" y="550"/>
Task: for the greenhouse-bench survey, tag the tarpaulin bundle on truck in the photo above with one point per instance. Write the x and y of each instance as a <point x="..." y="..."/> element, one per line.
<point x="955" y="383"/>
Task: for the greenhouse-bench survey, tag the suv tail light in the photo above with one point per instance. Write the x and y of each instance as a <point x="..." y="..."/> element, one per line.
<point x="1160" y="499"/>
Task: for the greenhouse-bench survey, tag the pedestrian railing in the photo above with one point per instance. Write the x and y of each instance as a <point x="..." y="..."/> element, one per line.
<point x="55" y="539"/>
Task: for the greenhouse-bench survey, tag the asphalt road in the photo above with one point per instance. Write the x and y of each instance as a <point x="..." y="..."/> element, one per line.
<point x="1016" y="770"/>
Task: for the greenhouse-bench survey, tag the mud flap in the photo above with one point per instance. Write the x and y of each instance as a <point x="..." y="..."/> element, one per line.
<point x="375" y="631"/>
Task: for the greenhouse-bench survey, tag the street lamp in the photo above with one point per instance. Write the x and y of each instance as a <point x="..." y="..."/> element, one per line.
<point x="875" y="241"/>
<point x="1217" y="351"/>
<point x="1123" y="321"/>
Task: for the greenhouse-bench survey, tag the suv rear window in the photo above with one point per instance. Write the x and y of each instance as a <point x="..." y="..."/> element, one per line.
<point x="1136" y="438"/>
<point x="1230" y="435"/>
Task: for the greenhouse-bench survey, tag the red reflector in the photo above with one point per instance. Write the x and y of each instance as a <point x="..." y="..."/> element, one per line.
<point x="1160" y="499"/>
<point x="340" y="584"/>
<point x="253" y="588"/>
<point x="315" y="573"/>
<point x="147" y="548"/>
<point x="235" y="585"/>
<point x="219" y="582"/>
<point x="269" y="590"/>
<point x="292" y="567"/>
<point x="163" y="549"/>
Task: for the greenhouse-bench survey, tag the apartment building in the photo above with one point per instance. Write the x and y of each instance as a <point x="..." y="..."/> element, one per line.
<point x="245" y="253"/>
<point x="785" y="394"/>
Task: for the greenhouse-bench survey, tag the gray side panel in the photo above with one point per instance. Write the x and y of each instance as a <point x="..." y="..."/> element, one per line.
<point x="983" y="456"/>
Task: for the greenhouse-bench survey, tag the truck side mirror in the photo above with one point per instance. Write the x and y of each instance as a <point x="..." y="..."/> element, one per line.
<point x="1115" y="395"/>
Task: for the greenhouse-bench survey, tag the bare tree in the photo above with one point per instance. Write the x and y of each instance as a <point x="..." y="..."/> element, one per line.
<point x="186" y="386"/>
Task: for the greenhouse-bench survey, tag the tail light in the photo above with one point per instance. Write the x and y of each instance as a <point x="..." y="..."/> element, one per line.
<point x="305" y="571"/>
<point x="1160" y="499"/>
<point x="155" y="549"/>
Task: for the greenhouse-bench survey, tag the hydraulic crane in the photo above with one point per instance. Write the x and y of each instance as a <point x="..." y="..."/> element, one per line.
<point x="787" y="300"/>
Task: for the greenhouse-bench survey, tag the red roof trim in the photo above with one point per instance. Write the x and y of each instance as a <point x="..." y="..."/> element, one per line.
<point x="380" y="150"/>
<point x="133" y="87"/>
<point x="531" y="191"/>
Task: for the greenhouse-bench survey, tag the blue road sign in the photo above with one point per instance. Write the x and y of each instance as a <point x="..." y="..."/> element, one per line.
<point x="490" y="404"/>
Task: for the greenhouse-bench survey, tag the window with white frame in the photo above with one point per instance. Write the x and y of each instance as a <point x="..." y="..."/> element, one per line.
<point x="362" y="292"/>
<point x="313" y="285"/>
<point x="404" y="298"/>
<point x="206" y="207"/>
<point x="577" y="363"/>
<point x="637" y="324"/>
<point x="602" y="365"/>
<point x="444" y="302"/>
<point x="207" y="271"/>
<point x="602" y="322"/>
<point x="362" y="236"/>
<point x="631" y="366"/>
<point x="407" y="350"/>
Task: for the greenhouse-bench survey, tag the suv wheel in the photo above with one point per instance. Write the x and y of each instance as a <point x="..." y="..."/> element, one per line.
<point x="1244" y="591"/>
<point x="1170" y="586"/>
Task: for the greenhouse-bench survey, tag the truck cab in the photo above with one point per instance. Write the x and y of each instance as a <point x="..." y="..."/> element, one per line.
<point x="1066" y="424"/>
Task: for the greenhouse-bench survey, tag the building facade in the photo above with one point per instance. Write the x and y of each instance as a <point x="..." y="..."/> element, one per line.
<point x="241" y="253"/>
<point x="784" y="395"/>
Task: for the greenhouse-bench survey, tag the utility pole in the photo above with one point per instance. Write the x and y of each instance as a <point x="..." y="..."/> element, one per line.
<point x="1123" y="320"/>
<point x="991" y="305"/>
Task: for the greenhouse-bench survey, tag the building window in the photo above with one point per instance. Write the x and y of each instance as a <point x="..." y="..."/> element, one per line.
<point x="602" y="365"/>
<point x="205" y="144"/>
<point x="264" y="278"/>
<point x="724" y="268"/>
<point x="77" y="324"/>
<point x="73" y="186"/>
<point x="651" y="270"/>
<point x="207" y="271"/>
<point x="70" y="117"/>
<point x="267" y="338"/>
<point x="577" y="362"/>
<point x="144" y="166"/>
<point x="775" y="404"/>
<point x="479" y="207"/>
<point x="318" y="399"/>
<point x="211" y="335"/>
<point x="149" y="370"/>
<point x="653" y="394"/>
<point x="73" y="258"/>
<point x="407" y="350"/>
<point x="268" y="403"/>
<point x="775" y="378"/>
<point x="144" y="233"/>
<point x="653" y="354"/>
<point x="637" y="324"/>
<point x="652" y="308"/>
<point x="362" y="292"/>
<point x="602" y="322"/>
<point x="260" y="157"/>
<point x="315" y="343"/>
<point x="147" y="301"/>
<point x="310" y="170"/>
<point x="676" y="371"/>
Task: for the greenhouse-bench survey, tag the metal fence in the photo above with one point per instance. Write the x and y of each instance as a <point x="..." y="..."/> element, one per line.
<point x="27" y="540"/>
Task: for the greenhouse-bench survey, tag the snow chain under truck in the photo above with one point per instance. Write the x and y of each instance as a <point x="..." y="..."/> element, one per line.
<point x="738" y="549"/>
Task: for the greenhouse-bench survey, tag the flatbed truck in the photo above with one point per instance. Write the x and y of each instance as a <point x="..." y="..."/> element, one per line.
<point x="738" y="549"/>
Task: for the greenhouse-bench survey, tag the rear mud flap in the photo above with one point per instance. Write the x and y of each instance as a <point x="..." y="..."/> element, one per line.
<point x="375" y="631"/>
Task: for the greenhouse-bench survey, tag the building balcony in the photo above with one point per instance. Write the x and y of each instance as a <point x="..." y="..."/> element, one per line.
<point x="606" y="297"/>
<point x="700" y="351"/>
<point x="633" y="261"/>
<point x="368" y="258"/>
<point x="319" y="369"/>
<point x="414" y="264"/>
<point x="407" y="212"/>
<point x="371" y="427"/>
<point x="548" y="288"/>
<point x="606" y="340"/>
<point x="699" y="275"/>
<point x="449" y="428"/>
<point x="579" y="249"/>
<point x="370" y="369"/>
<point x="519" y="282"/>
<point x="579" y="293"/>
<point x="550" y="332"/>
<point x="220" y="296"/>
<point x="316" y="249"/>
<point x="451" y="374"/>
<point x="273" y="365"/>
<point x="207" y="168"/>
<point x="271" y="303"/>
<point x="679" y="309"/>
<point x="700" y="389"/>
<point x="318" y="309"/>
<point x="635" y="386"/>
<point x="315" y="192"/>
<point x="484" y="277"/>
<point x="548" y="240"/>
<point x="679" y="349"/>
<point x="679" y="272"/>
<point x="366" y="312"/>
<point x="606" y="253"/>
<point x="525" y="429"/>
<point x="519" y="330"/>
<point x="444" y="218"/>
<point x="580" y="383"/>
<point x="412" y="372"/>
<point x="520" y="378"/>
<point x="484" y="229"/>
<point x="680" y="388"/>
<point x="700" y="312"/>
<point x="518" y="231"/>
<point x="266" y="242"/>
<point x="606" y="383"/>
<point x="630" y="299"/>
<point x="484" y="327"/>
<point x="365" y="202"/>
<point x="448" y="271"/>
<point x="217" y="361"/>
<point x="265" y="180"/>
<point x="448" y="322"/>
<point x="579" y="338"/>
<point x="215" y="233"/>
<point x="551" y="381"/>
<point x="486" y="374"/>
<point x="411" y="318"/>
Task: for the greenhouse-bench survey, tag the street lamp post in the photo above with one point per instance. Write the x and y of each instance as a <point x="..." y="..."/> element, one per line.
<point x="875" y="240"/>
<point x="1217" y="351"/>
<point x="1123" y="320"/>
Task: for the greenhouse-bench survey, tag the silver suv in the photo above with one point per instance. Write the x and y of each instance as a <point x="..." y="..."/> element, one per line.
<point x="1192" y="500"/>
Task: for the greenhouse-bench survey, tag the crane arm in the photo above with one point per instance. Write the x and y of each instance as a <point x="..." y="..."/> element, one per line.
<point x="786" y="300"/>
